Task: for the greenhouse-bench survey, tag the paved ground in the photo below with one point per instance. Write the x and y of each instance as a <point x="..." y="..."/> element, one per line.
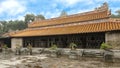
<point x="83" y="63"/>
<point x="41" y="61"/>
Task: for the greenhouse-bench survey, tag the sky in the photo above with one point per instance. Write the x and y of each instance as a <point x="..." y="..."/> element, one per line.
<point x="17" y="9"/>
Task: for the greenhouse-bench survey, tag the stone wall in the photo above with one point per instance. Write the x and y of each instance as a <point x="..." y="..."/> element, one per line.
<point x="16" y="41"/>
<point x="113" y="39"/>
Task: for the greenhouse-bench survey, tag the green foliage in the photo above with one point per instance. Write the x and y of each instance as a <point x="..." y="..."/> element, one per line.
<point x="63" y="13"/>
<point x="3" y="27"/>
<point x="117" y="15"/>
<point x="40" y="17"/>
<point x="5" y="46"/>
<point x="16" y="25"/>
<point x="104" y="46"/>
<point x="53" y="47"/>
<point x="72" y="46"/>
<point x="29" y="46"/>
<point x="29" y="18"/>
<point x="8" y="26"/>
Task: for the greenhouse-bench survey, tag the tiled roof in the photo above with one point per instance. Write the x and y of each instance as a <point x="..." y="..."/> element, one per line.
<point x="92" y="15"/>
<point x="85" y="28"/>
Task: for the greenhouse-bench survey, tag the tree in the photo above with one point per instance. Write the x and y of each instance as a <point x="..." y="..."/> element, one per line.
<point x="72" y="46"/>
<point x="113" y="16"/>
<point x="40" y="17"/>
<point x="8" y="26"/>
<point x="117" y="15"/>
<point x="118" y="12"/>
<point x="29" y="18"/>
<point x="3" y="27"/>
<point x="11" y="26"/>
<point x="63" y="13"/>
<point x="3" y="22"/>
<point x="19" y="25"/>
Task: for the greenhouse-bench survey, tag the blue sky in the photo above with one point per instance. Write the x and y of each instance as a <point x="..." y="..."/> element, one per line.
<point x="17" y="9"/>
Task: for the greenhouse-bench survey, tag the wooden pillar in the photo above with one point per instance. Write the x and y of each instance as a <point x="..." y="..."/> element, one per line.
<point x="52" y="41"/>
<point x="48" y="43"/>
<point x="59" y="42"/>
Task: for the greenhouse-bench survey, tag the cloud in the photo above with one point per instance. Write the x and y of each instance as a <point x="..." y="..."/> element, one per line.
<point x="17" y="9"/>
<point x="12" y="7"/>
<point x="114" y="9"/>
<point x="32" y="1"/>
<point x="51" y="14"/>
<point x="79" y="11"/>
<point x="20" y="17"/>
<point x="69" y="2"/>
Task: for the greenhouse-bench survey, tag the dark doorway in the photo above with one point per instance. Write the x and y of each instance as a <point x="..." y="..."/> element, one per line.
<point x="5" y="41"/>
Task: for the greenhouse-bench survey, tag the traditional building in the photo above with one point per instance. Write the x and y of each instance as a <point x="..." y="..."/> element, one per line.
<point x="87" y="30"/>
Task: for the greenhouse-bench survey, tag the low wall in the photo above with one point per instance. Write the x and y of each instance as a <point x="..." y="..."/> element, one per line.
<point x="66" y="51"/>
<point x="96" y="52"/>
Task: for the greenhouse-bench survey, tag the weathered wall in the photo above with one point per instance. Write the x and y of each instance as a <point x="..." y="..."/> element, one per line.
<point x="16" y="41"/>
<point x="113" y="39"/>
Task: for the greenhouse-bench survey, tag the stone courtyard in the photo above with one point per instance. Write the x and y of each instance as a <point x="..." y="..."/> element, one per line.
<point x="44" y="61"/>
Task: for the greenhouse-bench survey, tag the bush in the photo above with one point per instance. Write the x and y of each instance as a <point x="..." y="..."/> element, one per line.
<point x="5" y="46"/>
<point x="29" y="46"/>
<point x="72" y="46"/>
<point x="53" y="47"/>
<point x="104" y="46"/>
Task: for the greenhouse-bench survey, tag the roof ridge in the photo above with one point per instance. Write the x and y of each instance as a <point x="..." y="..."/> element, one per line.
<point x="101" y="12"/>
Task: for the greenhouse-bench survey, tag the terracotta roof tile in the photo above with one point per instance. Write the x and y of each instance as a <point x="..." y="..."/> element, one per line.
<point x="84" y="28"/>
<point x="69" y="19"/>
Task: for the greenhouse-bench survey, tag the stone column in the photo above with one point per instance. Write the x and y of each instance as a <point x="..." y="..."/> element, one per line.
<point x="113" y="39"/>
<point x="16" y="41"/>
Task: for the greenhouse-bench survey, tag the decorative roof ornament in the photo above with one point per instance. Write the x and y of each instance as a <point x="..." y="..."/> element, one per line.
<point x="103" y="7"/>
